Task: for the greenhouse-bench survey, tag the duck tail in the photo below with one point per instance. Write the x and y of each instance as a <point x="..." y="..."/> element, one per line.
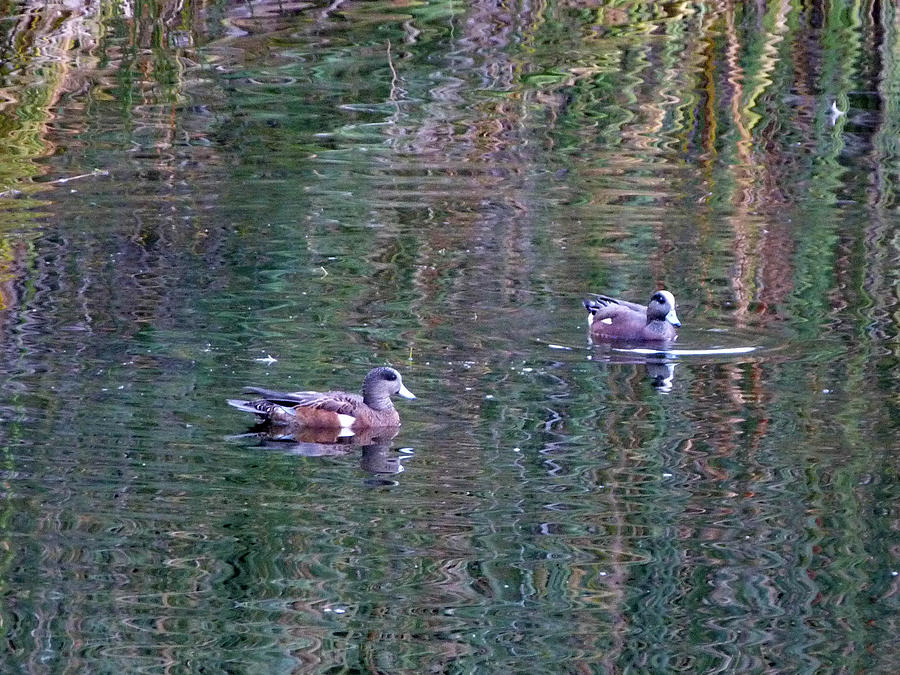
<point x="265" y="409"/>
<point x="246" y="406"/>
<point x="597" y="301"/>
<point x="591" y="305"/>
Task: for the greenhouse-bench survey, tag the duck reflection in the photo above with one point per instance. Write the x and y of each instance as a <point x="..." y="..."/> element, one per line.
<point x="661" y="372"/>
<point x="660" y="366"/>
<point x="377" y="456"/>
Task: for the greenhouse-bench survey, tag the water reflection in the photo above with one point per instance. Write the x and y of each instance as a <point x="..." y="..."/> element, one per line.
<point x="660" y="362"/>
<point x="438" y="182"/>
<point x="377" y="456"/>
<point x="659" y="367"/>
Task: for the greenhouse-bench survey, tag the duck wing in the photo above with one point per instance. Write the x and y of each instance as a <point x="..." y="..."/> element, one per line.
<point x="608" y="313"/>
<point x="607" y="300"/>
<point x="334" y="401"/>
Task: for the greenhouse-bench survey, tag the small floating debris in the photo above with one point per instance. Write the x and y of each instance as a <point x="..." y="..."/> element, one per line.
<point x="60" y="181"/>
<point x="272" y="80"/>
<point x="834" y="113"/>
<point x="268" y="360"/>
<point x="689" y="352"/>
<point x="553" y="345"/>
<point x="13" y="192"/>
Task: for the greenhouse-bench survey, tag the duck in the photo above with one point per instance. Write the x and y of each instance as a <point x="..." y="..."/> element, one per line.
<point x="613" y="319"/>
<point x="332" y="409"/>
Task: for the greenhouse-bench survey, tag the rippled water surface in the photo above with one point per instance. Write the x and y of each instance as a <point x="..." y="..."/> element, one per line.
<point x="202" y="196"/>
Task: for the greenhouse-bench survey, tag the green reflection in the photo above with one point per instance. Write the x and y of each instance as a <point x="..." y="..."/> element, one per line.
<point x="434" y="185"/>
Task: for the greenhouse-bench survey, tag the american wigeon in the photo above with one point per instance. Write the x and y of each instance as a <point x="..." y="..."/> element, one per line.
<point x="614" y="319"/>
<point x="332" y="409"/>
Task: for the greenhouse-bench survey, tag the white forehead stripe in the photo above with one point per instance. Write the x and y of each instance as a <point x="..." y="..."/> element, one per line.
<point x="668" y="296"/>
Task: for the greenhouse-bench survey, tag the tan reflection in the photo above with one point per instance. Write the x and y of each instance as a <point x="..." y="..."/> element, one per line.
<point x="374" y="444"/>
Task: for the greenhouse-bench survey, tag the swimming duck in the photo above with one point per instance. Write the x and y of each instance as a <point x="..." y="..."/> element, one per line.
<point x="332" y="409"/>
<point x="614" y="319"/>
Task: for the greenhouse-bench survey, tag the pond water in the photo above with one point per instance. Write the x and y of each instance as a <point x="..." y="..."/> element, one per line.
<point x="202" y="196"/>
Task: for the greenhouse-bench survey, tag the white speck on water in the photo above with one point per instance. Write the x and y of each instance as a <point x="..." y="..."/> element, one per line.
<point x="489" y="397"/>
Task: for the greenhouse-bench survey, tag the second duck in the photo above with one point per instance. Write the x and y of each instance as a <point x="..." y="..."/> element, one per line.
<point x="613" y="319"/>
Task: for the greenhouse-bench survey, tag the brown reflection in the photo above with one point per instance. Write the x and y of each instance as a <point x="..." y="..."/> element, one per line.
<point x="377" y="456"/>
<point x="67" y="58"/>
<point x="13" y="273"/>
<point x="13" y="263"/>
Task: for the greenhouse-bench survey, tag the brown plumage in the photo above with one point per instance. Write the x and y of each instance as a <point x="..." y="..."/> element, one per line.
<point x="332" y="409"/>
<point x="614" y="319"/>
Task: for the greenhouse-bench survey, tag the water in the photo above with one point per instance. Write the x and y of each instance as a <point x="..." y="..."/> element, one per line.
<point x="288" y="195"/>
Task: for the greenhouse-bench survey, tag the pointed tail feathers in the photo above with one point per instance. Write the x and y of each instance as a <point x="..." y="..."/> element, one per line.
<point x="270" y="411"/>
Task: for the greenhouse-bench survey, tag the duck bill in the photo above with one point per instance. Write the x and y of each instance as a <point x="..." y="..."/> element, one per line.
<point x="672" y="318"/>
<point x="405" y="393"/>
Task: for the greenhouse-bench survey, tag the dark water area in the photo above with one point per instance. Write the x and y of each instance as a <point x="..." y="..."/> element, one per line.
<point x="196" y="197"/>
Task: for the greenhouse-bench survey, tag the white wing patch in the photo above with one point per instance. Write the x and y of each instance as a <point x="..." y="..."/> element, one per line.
<point x="346" y="421"/>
